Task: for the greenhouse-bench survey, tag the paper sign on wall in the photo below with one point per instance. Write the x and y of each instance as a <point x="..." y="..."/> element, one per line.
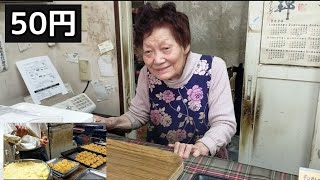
<point x="105" y="46"/>
<point x="41" y="78"/>
<point x="72" y="57"/>
<point x="24" y="46"/>
<point x="100" y="90"/>
<point x="105" y="66"/>
<point x="3" y="57"/>
<point x="308" y="174"/>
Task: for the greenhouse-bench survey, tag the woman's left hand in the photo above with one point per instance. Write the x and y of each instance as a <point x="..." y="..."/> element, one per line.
<point x="44" y="141"/>
<point x="184" y="150"/>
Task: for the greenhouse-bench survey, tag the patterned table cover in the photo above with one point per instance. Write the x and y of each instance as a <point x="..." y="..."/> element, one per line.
<point x="217" y="167"/>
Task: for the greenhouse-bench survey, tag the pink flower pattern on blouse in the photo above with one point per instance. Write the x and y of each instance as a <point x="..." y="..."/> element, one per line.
<point x="195" y="94"/>
<point x="168" y="96"/>
<point x="160" y="117"/>
<point x="153" y="81"/>
<point x="155" y="117"/>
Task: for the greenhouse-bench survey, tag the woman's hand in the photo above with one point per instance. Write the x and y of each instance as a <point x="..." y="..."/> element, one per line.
<point x="120" y="122"/>
<point x="109" y="122"/>
<point x="44" y="141"/>
<point x="184" y="150"/>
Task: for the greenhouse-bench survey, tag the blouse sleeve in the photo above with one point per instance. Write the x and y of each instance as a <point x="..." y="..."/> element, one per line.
<point x="221" y="112"/>
<point x="138" y="113"/>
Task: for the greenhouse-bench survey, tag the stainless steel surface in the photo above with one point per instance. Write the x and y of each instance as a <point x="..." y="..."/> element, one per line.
<point x="36" y="161"/>
<point x="56" y="160"/>
<point x="92" y="174"/>
<point x="101" y="143"/>
<point x="56" y="133"/>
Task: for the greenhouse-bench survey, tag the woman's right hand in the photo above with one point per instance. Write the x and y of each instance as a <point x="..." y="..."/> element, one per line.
<point x="109" y="122"/>
<point x="120" y="122"/>
<point x="184" y="150"/>
<point x="21" y="131"/>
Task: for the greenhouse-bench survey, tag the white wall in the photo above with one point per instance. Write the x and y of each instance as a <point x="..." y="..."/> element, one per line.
<point x="100" y="27"/>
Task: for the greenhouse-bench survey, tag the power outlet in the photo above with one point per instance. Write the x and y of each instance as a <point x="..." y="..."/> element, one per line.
<point x="84" y="70"/>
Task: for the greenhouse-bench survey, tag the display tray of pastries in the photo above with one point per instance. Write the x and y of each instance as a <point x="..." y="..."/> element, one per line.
<point x="87" y="158"/>
<point x="63" y="167"/>
<point x="96" y="148"/>
<point x="27" y="169"/>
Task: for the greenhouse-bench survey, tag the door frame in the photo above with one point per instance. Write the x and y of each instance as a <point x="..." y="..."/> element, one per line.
<point x="124" y="31"/>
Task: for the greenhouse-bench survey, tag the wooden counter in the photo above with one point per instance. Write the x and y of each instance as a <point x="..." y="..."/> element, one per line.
<point x="133" y="161"/>
<point x="209" y="165"/>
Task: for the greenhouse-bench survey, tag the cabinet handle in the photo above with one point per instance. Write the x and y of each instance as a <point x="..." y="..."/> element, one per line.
<point x="249" y="84"/>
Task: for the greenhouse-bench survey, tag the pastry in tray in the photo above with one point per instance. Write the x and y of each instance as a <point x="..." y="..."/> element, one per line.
<point x="96" y="148"/>
<point x="63" y="166"/>
<point x="90" y="159"/>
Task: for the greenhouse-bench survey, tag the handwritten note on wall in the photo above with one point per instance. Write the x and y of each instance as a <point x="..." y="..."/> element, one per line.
<point x="105" y="46"/>
<point x="105" y="66"/>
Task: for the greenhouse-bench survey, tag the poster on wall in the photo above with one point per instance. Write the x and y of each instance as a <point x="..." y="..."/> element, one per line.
<point x="41" y="78"/>
<point x="291" y="33"/>
<point x="3" y="57"/>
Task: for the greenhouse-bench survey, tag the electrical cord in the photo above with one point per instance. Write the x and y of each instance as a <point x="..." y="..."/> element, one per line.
<point x="86" y="87"/>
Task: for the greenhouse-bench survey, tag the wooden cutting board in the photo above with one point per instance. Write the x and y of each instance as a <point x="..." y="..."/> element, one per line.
<point x="132" y="161"/>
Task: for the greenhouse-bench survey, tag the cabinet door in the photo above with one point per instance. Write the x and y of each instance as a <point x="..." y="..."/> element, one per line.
<point x="281" y="100"/>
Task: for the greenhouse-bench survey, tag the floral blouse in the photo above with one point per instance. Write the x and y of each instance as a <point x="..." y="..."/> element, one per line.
<point x="180" y="114"/>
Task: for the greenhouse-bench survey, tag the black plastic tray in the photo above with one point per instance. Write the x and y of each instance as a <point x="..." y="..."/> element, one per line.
<point x="199" y="176"/>
<point x="71" y="154"/>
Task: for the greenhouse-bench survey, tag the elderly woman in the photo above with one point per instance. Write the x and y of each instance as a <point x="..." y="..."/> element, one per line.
<point x="184" y="97"/>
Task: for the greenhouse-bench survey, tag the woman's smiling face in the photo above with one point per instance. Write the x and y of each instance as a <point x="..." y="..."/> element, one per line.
<point x="163" y="56"/>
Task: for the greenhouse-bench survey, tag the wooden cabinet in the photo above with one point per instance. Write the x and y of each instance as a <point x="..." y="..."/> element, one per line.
<point x="280" y="109"/>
